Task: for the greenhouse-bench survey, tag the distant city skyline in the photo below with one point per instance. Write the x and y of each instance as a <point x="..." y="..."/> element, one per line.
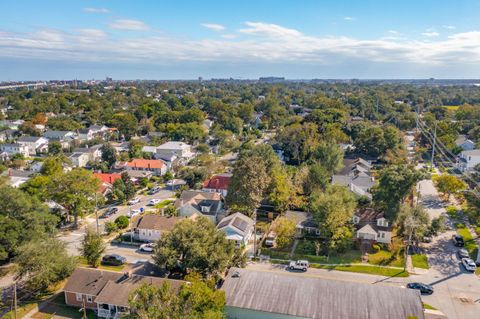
<point x="369" y="39"/>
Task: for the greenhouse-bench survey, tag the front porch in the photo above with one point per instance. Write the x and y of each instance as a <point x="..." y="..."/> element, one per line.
<point x="110" y="311"/>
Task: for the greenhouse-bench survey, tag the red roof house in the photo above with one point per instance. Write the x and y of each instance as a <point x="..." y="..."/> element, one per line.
<point x="107" y="178"/>
<point x="218" y="183"/>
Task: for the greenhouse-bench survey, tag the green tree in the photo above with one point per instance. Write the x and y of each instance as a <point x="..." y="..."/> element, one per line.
<point x="449" y="184"/>
<point x="280" y="192"/>
<point x="54" y="148"/>
<point x="109" y="154"/>
<point x="329" y="156"/>
<point x="110" y="227"/>
<point x="285" y="230"/>
<point x="395" y="183"/>
<point x="43" y="263"/>
<point x="333" y="210"/>
<point x="194" y="245"/>
<point x="412" y="222"/>
<point x="122" y="222"/>
<point x="92" y="248"/>
<point x="299" y="141"/>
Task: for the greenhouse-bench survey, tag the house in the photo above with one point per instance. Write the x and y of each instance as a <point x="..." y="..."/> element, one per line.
<point x="14" y="148"/>
<point x="372" y="226"/>
<point x="150" y="227"/>
<point x="156" y="167"/>
<point x="79" y="159"/>
<point x="237" y="227"/>
<point x="251" y="294"/>
<point x="356" y="176"/>
<point x="175" y="184"/>
<point x="207" y="123"/>
<point x="107" y="177"/>
<point x="200" y="203"/>
<point x="171" y="150"/>
<point x="464" y="143"/>
<point x="34" y="144"/>
<point x="64" y="137"/>
<point x="107" y="292"/>
<point x="152" y="150"/>
<point x="85" y="134"/>
<point x="218" y="183"/>
<point x="94" y="152"/>
<point x="17" y="177"/>
<point x="469" y="159"/>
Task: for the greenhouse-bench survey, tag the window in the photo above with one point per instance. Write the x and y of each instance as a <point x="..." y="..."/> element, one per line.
<point x="89" y="299"/>
<point x="382" y="235"/>
<point x="79" y="297"/>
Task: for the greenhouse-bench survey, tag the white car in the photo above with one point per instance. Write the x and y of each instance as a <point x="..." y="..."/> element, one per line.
<point x="298" y="265"/>
<point x="153" y="202"/>
<point x="147" y="247"/>
<point x="134" y="201"/>
<point x="134" y="212"/>
<point x="469" y="264"/>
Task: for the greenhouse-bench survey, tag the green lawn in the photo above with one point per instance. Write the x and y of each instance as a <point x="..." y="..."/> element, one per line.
<point x="387" y="258"/>
<point x="372" y="270"/>
<point x="420" y="261"/>
<point x="306" y="250"/>
<point x="163" y="203"/>
<point x="470" y="243"/>
<point x="57" y="306"/>
<point x="83" y="263"/>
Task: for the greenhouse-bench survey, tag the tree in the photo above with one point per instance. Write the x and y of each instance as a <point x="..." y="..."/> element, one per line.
<point x="329" y="156"/>
<point x="122" y="222"/>
<point x="43" y="263"/>
<point x="449" y="184"/>
<point x="22" y="218"/>
<point x="395" y="183"/>
<point x="195" y="300"/>
<point x="194" y="245"/>
<point x="333" y="210"/>
<point x="284" y="228"/>
<point x="109" y="154"/>
<point x="110" y="227"/>
<point x="75" y="190"/>
<point x="92" y="248"/>
<point x="299" y="141"/>
<point x="54" y="148"/>
<point x="280" y="192"/>
<point x="412" y="222"/>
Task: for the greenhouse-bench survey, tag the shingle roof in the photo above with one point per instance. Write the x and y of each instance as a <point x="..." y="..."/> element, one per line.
<point x="238" y="222"/>
<point x="28" y="139"/>
<point x="196" y="199"/>
<point x="90" y="281"/>
<point x="107" y="178"/>
<point x="218" y="182"/>
<point x="308" y="297"/>
<point x="157" y="222"/>
<point x="147" y="164"/>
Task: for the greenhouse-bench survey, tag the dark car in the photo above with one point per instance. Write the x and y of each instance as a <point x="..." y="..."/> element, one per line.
<point x="424" y="288"/>
<point x="109" y="212"/>
<point x="154" y="190"/>
<point x="113" y="260"/>
<point x="458" y="241"/>
<point x="463" y="253"/>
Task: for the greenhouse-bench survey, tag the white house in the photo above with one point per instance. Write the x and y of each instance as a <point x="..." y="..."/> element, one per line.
<point x="468" y="159"/>
<point x="465" y="143"/>
<point x="218" y="183"/>
<point x="150" y="227"/>
<point x="15" y="148"/>
<point x="94" y="152"/>
<point x="237" y="227"/>
<point x="64" y="137"/>
<point x="171" y="149"/>
<point x="34" y="144"/>
<point x="79" y="159"/>
<point x="372" y="226"/>
<point x="197" y="203"/>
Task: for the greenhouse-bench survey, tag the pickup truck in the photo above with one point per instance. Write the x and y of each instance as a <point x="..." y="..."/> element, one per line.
<point x="298" y="265"/>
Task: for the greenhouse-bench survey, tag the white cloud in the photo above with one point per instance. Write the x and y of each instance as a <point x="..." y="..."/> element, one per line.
<point x="229" y="36"/>
<point x="213" y="26"/>
<point x="449" y="27"/>
<point x="96" y="10"/>
<point x="127" y="24"/>
<point x="394" y="32"/>
<point x="431" y="34"/>
<point x="348" y="18"/>
<point x="260" y="42"/>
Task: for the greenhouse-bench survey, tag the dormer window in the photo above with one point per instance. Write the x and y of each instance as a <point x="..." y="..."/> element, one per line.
<point x="205" y="209"/>
<point x="382" y="222"/>
<point x="355" y="219"/>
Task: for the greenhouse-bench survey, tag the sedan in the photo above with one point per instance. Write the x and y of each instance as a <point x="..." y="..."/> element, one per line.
<point x="424" y="288"/>
<point x="469" y="264"/>
<point x="134" y="212"/>
<point x="463" y="253"/>
<point x="458" y="241"/>
<point x="113" y="260"/>
<point x="154" y="190"/>
<point x="147" y="247"/>
<point x="153" y="202"/>
<point x="109" y="212"/>
<point x="134" y="201"/>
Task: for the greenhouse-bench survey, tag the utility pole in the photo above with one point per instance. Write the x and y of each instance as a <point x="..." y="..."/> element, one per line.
<point x="15" y="300"/>
<point x="434" y="144"/>
<point x="96" y="214"/>
<point x="255" y="233"/>
<point x="84" y="310"/>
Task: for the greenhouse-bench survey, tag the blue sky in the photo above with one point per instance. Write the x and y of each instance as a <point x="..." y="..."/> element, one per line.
<point x="241" y="39"/>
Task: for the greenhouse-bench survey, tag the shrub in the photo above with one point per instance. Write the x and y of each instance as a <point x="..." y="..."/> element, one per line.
<point x="110" y="227"/>
<point x="376" y="248"/>
<point x="122" y="222"/>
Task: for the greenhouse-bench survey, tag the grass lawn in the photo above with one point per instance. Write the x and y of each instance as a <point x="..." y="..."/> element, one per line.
<point x="83" y="263"/>
<point x="372" y="270"/>
<point x="163" y="203"/>
<point x="57" y="306"/>
<point x="451" y="107"/>
<point x="306" y="250"/>
<point x="420" y="261"/>
<point x="470" y="243"/>
<point x="387" y="258"/>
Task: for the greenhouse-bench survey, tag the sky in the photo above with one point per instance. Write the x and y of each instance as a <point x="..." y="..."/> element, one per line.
<point x="296" y="39"/>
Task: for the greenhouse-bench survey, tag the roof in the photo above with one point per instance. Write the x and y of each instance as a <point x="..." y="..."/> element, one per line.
<point x="117" y="293"/>
<point x="107" y="178"/>
<point x="471" y="153"/>
<point x="56" y="134"/>
<point x="90" y="281"/>
<point x="218" y="182"/>
<point x="29" y="139"/>
<point x="309" y="297"/>
<point x="369" y="216"/>
<point x="157" y="222"/>
<point x="238" y="222"/>
<point x="196" y="199"/>
<point x="144" y="163"/>
<point x="363" y="182"/>
<point x="173" y="145"/>
<point x="90" y="149"/>
<point x="367" y="229"/>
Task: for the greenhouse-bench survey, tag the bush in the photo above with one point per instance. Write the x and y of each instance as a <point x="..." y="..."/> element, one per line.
<point x="122" y="222"/>
<point x="110" y="227"/>
<point x="376" y="248"/>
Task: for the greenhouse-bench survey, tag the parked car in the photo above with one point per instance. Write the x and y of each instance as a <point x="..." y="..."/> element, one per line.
<point x="298" y="265"/>
<point x="134" y="201"/>
<point x="109" y="212"/>
<point x="270" y="240"/>
<point x="154" y="190"/>
<point x="458" y="241"/>
<point x="463" y="253"/>
<point x="424" y="288"/>
<point x="134" y="212"/>
<point x="153" y="202"/>
<point x="113" y="260"/>
<point x="469" y="264"/>
<point x="147" y="247"/>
